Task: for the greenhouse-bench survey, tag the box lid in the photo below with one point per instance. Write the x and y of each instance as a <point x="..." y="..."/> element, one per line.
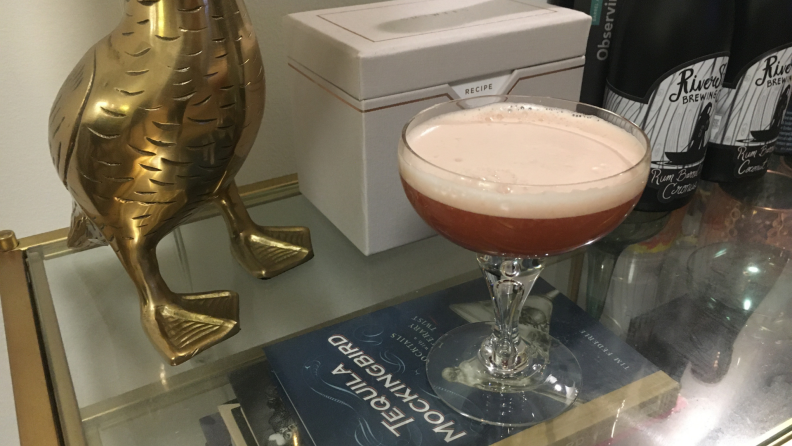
<point x="385" y="48"/>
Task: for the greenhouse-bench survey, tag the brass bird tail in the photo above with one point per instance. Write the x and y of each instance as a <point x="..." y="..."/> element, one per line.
<point x="83" y="233"/>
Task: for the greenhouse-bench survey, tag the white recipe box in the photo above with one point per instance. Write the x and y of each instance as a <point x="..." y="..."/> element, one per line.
<point x="360" y="73"/>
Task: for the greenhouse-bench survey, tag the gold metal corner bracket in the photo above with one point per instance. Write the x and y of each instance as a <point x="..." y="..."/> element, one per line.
<point x="36" y="415"/>
<point x="8" y="240"/>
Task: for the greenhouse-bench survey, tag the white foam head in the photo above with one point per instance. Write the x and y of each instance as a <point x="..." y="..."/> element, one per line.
<point x="524" y="161"/>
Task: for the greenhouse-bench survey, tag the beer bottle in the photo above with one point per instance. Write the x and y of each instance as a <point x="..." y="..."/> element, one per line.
<point x="668" y="61"/>
<point x="750" y="110"/>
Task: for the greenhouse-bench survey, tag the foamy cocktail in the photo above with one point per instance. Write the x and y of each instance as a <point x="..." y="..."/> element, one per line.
<point x="517" y="179"/>
<point x="520" y="179"/>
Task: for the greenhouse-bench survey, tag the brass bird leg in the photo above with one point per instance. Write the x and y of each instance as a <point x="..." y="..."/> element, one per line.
<point x="179" y="325"/>
<point x="264" y="252"/>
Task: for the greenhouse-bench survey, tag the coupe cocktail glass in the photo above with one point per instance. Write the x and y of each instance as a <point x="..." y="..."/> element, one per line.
<point x="498" y="175"/>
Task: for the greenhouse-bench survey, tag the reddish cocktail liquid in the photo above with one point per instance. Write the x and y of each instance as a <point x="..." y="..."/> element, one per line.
<point x="515" y="237"/>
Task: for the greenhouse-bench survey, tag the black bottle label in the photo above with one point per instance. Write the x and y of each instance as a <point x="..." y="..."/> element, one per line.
<point x="675" y="116"/>
<point x="748" y="116"/>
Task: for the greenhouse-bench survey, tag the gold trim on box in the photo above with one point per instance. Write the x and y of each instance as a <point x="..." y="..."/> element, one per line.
<point x="542" y="74"/>
<point x="450" y="98"/>
<point x="371" y="109"/>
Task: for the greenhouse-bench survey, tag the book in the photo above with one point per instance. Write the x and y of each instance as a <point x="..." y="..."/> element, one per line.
<point x="340" y="379"/>
<point x="227" y="427"/>
<point x="271" y="419"/>
<point x="237" y="424"/>
<point x="214" y="430"/>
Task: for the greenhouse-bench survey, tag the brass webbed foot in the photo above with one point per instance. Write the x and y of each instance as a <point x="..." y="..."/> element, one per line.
<point x="264" y="252"/>
<point x="183" y="325"/>
<point x="267" y="252"/>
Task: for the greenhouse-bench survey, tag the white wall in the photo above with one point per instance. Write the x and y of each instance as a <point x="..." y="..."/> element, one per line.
<point x="41" y="41"/>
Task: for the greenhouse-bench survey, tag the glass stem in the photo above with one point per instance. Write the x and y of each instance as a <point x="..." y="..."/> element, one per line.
<point x="510" y="279"/>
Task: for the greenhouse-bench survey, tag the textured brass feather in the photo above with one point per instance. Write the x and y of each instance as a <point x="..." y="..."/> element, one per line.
<point x="153" y="123"/>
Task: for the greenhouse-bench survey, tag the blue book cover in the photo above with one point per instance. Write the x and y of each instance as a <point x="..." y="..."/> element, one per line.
<point x="340" y="379"/>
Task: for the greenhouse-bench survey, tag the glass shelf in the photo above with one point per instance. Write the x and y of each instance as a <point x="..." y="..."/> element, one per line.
<point x="670" y="294"/>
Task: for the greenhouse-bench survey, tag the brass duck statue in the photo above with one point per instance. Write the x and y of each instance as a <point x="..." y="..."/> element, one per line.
<point x="153" y="123"/>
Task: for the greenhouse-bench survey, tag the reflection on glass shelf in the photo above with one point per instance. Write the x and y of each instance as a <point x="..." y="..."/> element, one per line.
<point x="124" y="388"/>
<point x="174" y="425"/>
<point x="709" y="301"/>
<point x="97" y="305"/>
<point x="733" y="364"/>
<point x="678" y="298"/>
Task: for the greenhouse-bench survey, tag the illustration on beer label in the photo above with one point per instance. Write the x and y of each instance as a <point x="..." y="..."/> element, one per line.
<point x="750" y="111"/>
<point x="784" y="141"/>
<point x="675" y="115"/>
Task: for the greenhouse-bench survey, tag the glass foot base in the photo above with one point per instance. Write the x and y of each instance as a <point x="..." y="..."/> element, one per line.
<point x="541" y="392"/>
